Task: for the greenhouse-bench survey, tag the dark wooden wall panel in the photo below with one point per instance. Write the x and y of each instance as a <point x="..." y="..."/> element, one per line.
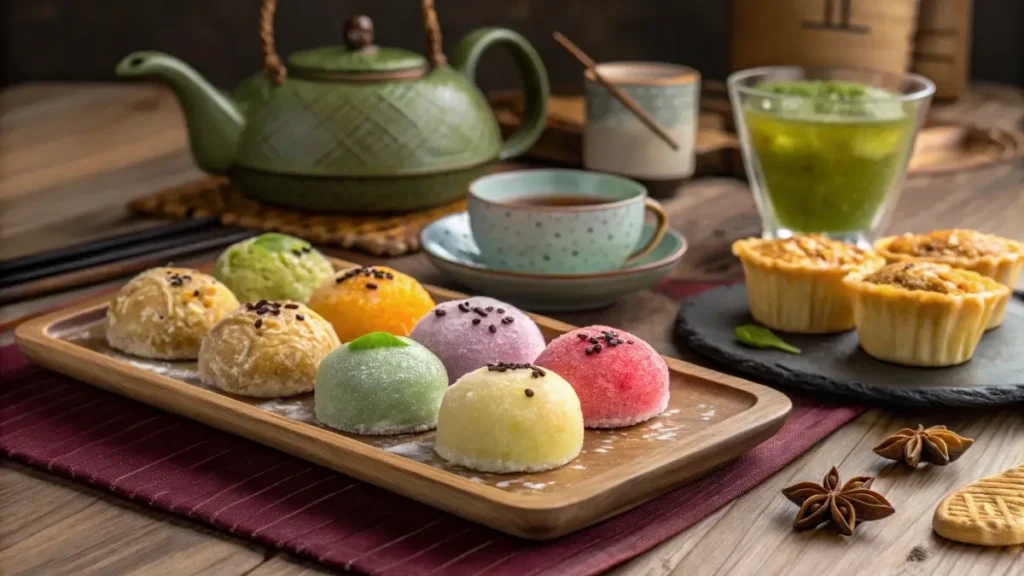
<point x="84" y="39"/>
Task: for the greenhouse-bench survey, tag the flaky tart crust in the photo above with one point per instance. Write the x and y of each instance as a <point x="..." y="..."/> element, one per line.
<point x="998" y="258"/>
<point x="795" y="284"/>
<point x="923" y="314"/>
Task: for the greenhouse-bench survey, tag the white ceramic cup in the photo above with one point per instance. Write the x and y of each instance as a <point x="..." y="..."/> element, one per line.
<point x="616" y="141"/>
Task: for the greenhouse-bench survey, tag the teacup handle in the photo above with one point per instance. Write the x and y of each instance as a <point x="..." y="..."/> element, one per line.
<point x="659" y="213"/>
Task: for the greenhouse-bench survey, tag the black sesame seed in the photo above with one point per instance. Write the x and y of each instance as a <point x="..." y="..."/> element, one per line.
<point x="371" y="286"/>
<point x="582" y="336"/>
<point x="297" y="252"/>
<point x="508" y="320"/>
<point x="529" y="393"/>
<point x="593" y="340"/>
<point x="258" y="323"/>
<point x="489" y="308"/>
<point x="261" y="303"/>
<point x="492" y="328"/>
<point x="440" y="312"/>
<point x="480" y="311"/>
<point x="476" y="321"/>
<point x="195" y="293"/>
<point x="597" y="347"/>
<point x="501" y="310"/>
<point x="590" y="350"/>
<point x="300" y="317"/>
<point x="629" y="341"/>
<point x="292" y="306"/>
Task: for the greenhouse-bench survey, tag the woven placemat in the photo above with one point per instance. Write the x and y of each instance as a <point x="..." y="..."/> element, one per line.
<point x="380" y="235"/>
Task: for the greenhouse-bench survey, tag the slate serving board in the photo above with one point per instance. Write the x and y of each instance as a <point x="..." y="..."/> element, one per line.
<point x="835" y="363"/>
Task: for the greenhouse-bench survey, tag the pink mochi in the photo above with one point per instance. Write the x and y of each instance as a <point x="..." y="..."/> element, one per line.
<point x="472" y="333"/>
<point x="620" y="379"/>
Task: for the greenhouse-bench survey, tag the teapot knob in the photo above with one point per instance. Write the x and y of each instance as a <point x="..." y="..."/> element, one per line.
<point x="359" y="32"/>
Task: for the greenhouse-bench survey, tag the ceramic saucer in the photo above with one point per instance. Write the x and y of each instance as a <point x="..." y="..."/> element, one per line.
<point x="449" y="244"/>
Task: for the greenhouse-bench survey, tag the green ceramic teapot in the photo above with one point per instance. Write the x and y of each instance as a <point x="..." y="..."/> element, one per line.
<point x="354" y="128"/>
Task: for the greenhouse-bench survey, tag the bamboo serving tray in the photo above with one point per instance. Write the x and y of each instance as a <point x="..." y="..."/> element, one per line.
<point x="711" y="419"/>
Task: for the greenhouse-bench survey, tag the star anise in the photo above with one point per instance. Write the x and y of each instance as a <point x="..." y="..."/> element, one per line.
<point x="842" y="507"/>
<point x="935" y="445"/>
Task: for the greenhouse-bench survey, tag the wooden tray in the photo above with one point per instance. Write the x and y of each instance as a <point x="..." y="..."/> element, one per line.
<point x="712" y="418"/>
<point x="942" y="147"/>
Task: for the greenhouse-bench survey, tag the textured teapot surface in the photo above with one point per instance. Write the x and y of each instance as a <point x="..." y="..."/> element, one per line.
<point x="436" y="123"/>
<point x="339" y="128"/>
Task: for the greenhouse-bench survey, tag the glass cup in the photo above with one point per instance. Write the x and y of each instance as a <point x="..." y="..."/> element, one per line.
<point x="827" y="161"/>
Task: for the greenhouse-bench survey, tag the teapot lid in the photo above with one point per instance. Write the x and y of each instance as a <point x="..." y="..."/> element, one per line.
<point x="359" y="59"/>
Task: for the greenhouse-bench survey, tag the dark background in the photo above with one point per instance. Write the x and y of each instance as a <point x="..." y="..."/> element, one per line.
<point x="82" y="40"/>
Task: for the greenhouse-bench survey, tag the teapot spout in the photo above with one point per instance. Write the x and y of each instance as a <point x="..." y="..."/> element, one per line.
<point x="214" y="122"/>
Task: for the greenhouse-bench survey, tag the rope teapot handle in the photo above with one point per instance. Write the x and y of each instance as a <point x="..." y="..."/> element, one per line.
<point x="273" y="68"/>
<point x="276" y="71"/>
<point x="435" y="52"/>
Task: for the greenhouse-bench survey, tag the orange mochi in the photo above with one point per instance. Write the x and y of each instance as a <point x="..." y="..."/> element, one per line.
<point x="369" y="299"/>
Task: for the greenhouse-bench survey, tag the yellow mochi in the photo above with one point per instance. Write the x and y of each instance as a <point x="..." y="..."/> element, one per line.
<point x="490" y="422"/>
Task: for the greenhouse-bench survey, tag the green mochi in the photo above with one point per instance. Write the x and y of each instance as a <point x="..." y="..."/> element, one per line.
<point x="272" y="267"/>
<point x="383" y="385"/>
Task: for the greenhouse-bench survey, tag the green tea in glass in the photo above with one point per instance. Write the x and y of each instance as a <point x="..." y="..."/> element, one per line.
<point x="826" y="150"/>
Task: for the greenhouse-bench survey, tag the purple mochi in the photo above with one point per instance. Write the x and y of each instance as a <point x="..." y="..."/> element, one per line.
<point x="468" y="334"/>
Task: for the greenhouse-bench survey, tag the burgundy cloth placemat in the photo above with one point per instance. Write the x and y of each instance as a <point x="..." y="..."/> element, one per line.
<point x="174" y="464"/>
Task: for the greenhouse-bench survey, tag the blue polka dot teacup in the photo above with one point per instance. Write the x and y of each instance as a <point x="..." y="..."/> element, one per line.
<point x="560" y="221"/>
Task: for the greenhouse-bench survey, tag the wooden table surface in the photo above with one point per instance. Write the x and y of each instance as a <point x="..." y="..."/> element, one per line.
<point x="72" y="155"/>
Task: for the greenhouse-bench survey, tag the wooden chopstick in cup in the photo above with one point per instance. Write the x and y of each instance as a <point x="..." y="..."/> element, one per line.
<point x="628" y="102"/>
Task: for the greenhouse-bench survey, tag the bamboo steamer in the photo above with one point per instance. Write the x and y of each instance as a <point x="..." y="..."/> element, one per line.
<point x="864" y="34"/>
<point x="942" y="45"/>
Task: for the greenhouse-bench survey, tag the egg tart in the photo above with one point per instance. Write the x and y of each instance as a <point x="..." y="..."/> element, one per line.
<point x="795" y="284"/>
<point x="998" y="258"/>
<point x="923" y="313"/>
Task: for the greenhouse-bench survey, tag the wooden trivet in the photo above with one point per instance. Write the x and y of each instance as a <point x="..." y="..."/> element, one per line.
<point x="377" y="235"/>
<point x="942" y="147"/>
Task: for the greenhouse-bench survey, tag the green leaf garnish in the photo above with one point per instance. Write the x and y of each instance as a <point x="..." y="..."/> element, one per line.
<point x="761" y="337"/>
<point x="274" y="242"/>
<point x="376" y="340"/>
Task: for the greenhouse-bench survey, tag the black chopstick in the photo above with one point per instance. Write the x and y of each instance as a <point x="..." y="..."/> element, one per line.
<point x="71" y="253"/>
<point x="113" y="270"/>
<point x="217" y="235"/>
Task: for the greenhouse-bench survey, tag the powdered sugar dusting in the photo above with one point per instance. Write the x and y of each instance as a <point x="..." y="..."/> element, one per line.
<point x="288" y="408"/>
<point x="186" y="372"/>
<point x="418" y="451"/>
